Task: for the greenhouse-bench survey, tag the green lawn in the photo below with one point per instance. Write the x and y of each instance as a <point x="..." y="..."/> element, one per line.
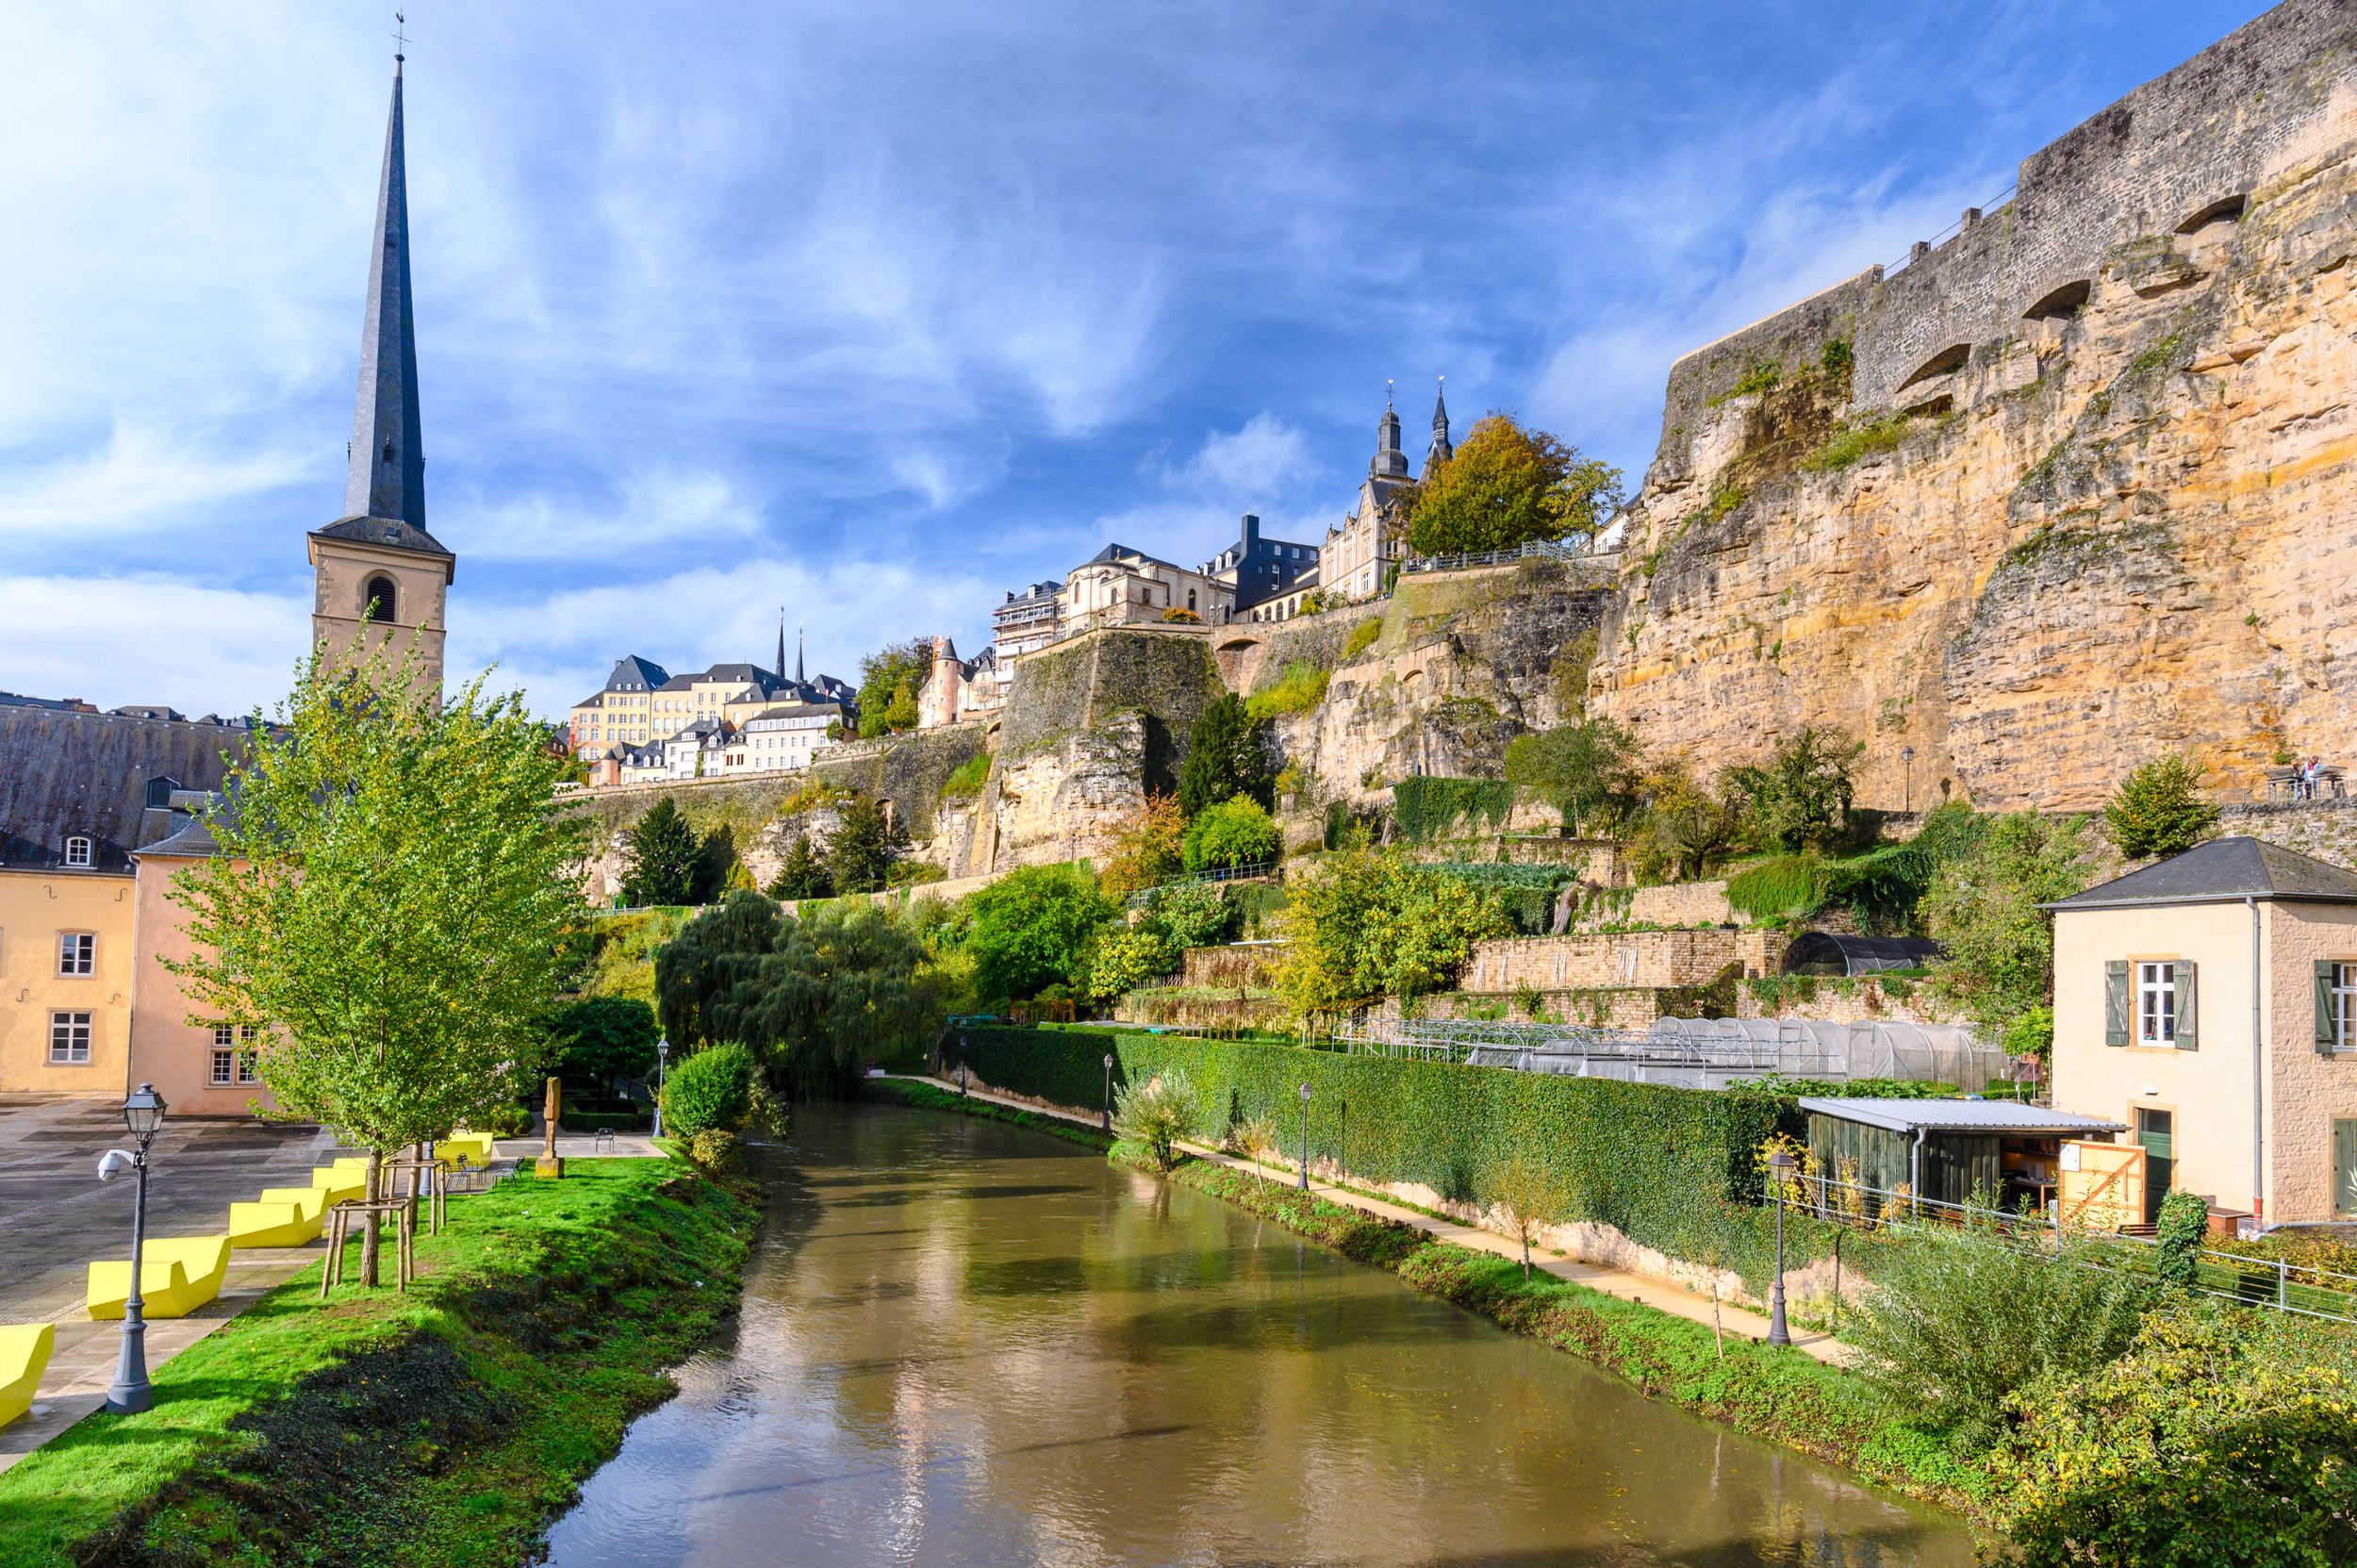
<point x="439" y="1427"/>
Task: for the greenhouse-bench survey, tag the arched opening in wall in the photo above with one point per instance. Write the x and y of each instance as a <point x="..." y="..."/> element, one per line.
<point x="378" y="601"/>
<point x="2062" y="303"/>
<point x="2226" y="210"/>
<point x="1947" y="360"/>
<point x="1237" y="645"/>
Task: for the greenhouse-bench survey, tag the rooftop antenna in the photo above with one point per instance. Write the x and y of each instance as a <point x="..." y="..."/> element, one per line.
<point x="401" y="38"/>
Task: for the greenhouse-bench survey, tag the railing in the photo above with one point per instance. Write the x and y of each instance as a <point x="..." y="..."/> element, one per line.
<point x="2273" y="1284"/>
<point x="1530" y="549"/>
<point x="1216" y="873"/>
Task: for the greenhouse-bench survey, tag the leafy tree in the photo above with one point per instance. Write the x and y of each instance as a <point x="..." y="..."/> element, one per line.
<point x="390" y="902"/>
<point x="718" y="869"/>
<point x="1587" y="771"/>
<point x="1032" y="929"/>
<point x="1683" y="827"/>
<point x="1158" y="1113"/>
<point x="1362" y="925"/>
<point x="1227" y="757"/>
<point x="1982" y="908"/>
<point x="1192" y="914"/>
<point x="710" y="1092"/>
<point x="599" y="1039"/>
<point x="2032" y="1034"/>
<point x="1800" y="797"/>
<point x="663" y="858"/>
<point x="861" y="851"/>
<point x="1523" y="1190"/>
<point x="889" y="680"/>
<point x="1238" y="832"/>
<point x="2159" y="809"/>
<point x="802" y="874"/>
<point x="1147" y="852"/>
<point x="1124" y="958"/>
<point x="1507" y="485"/>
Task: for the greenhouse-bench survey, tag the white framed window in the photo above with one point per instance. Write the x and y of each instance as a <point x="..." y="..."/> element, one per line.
<point x="78" y="952"/>
<point x="68" y="1039"/>
<point x="77" y="850"/>
<point x="2344" y="1006"/>
<point x="247" y="1068"/>
<point x="2156" y="1004"/>
<point x="223" y="1036"/>
<point x="224" y="1063"/>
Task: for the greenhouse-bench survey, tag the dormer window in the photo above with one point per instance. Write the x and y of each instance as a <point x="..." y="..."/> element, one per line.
<point x="78" y="852"/>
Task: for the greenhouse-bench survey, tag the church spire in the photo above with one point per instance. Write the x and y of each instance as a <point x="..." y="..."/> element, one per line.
<point x="1389" y="461"/>
<point x="780" y="670"/>
<point x="386" y="477"/>
<point x="797" y="655"/>
<point x="1440" y="451"/>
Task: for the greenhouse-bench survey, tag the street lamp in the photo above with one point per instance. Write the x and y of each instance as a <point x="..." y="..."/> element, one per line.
<point x="1305" y="1137"/>
<point x="963" y="1077"/>
<point x="142" y="1114"/>
<point x="662" y="1076"/>
<point x="1109" y="1091"/>
<point x="1907" y="800"/>
<point x="1779" y="1167"/>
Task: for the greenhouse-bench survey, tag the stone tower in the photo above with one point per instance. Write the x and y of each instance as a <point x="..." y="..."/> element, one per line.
<point x="377" y="566"/>
<point x="1389" y="461"/>
<point x="1440" y="451"/>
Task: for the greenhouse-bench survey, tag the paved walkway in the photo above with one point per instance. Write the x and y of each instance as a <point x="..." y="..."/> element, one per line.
<point x="1738" y="1322"/>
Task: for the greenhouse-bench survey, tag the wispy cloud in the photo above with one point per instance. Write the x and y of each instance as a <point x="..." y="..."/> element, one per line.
<point x="140" y="477"/>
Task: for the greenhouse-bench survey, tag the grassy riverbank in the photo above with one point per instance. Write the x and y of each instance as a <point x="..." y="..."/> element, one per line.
<point x="443" y="1426"/>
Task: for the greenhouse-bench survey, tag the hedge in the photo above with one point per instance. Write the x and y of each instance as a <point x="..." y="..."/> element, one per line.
<point x="1672" y="1169"/>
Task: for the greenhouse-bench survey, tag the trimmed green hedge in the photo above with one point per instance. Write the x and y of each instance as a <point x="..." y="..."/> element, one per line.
<point x="1672" y="1169"/>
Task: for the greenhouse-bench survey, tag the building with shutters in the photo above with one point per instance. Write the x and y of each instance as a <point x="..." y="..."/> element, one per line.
<point x="2210" y="1002"/>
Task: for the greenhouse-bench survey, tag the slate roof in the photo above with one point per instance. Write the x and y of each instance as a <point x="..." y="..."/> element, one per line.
<point x="1959" y="1115"/>
<point x="2223" y="870"/>
<point x="83" y="773"/>
<point x="632" y="673"/>
<point x="389" y="532"/>
<point x="1122" y="554"/>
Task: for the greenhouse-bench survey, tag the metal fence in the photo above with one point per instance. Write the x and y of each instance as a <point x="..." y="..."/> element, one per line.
<point x="1216" y="873"/>
<point x="2274" y="1284"/>
<point x="1692" y="1053"/>
<point x="1530" y="549"/>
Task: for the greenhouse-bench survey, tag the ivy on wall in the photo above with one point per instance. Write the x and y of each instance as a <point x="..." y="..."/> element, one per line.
<point x="1422" y="808"/>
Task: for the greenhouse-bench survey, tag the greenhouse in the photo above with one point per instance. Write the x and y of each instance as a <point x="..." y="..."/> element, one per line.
<point x="1701" y="1053"/>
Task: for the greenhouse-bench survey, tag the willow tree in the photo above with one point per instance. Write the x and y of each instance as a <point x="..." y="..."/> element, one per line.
<point x="389" y="902"/>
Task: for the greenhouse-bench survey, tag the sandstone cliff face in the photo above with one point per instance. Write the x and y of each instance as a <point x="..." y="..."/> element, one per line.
<point x="2123" y="529"/>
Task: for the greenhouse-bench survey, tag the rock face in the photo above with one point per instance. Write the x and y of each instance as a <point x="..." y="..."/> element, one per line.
<point x="2069" y="491"/>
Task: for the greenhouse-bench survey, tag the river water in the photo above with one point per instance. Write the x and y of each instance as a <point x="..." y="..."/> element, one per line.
<point x="967" y="1343"/>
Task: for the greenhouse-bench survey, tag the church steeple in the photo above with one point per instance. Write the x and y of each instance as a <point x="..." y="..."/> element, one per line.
<point x="385" y="475"/>
<point x="1440" y="451"/>
<point x="780" y="670"/>
<point x="797" y="655"/>
<point x="1389" y="461"/>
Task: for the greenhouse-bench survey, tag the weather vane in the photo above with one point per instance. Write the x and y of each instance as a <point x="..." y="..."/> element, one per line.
<point x="1388" y="389"/>
<point x="401" y="37"/>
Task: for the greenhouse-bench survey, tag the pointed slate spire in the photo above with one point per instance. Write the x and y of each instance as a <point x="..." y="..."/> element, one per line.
<point x="780" y="672"/>
<point x="386" y="473"/>
<point x="799" y="679"/>
<point x="1440" y="451"/>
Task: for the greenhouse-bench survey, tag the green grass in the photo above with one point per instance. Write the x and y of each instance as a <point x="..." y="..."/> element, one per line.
<point x="445" y="1426"/>
<point x="1361" y="638"/>
<point x="1849" y="442"/>
<point x="967" y="777"/>
<point x="1302" y="687"/>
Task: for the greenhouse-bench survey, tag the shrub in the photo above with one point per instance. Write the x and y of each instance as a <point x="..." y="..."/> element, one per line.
<point x="1124" y="959"/>
<point x="1227" y="757"/>
<point x="1584" y="770"/>
<point x="1961" y="1322"/>
<point x="1254" y="1139"/>
<point x="713" y="1149"/>
<point x="1362" y="925"/>
<point x="2184" y="1220"/>
<point x="1982" y="908"/>
<point x="1238" y="832"/>
<point x="1146" y="853"/>
<point x="710" y="1091"/>
<point x="1361" y="638"/>
<point x="1300" y="688"/>
<point x="1782" y="885"/>
<point x="2032" y="1034"/>
<point x="1799" y="799"/>
<point x="2158" y="809"/>
<point x="1850" y="441"/>
<point x="1192" y="914"/>
<point x="1158" y="1113"/>
<point x="505" y="1121"/>
<point x="967" y="777"/>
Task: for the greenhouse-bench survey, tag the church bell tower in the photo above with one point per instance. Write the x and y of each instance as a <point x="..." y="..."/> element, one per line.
<point x="376" y="570"/>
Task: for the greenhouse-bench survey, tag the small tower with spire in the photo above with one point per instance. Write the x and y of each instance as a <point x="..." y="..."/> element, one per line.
<point x="1440" y="451"/>
<point x="1389" y="461"/>
<point x="376" y="570"/>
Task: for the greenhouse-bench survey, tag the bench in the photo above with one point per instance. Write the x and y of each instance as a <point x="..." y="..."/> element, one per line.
<point x="472" y="1149"/>
<point x="24" y="1355"/>
<point x="178" y="1275"/>
<point x="342" y="1180"/>
<point x="285" y="1217"/>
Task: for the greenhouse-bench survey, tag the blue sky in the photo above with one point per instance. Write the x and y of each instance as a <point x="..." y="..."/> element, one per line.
<point x="876" y="310"/>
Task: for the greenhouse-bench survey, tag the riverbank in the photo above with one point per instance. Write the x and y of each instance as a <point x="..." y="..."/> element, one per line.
<point x="443" y="1425"/>
<point x="1780" y="1395"/>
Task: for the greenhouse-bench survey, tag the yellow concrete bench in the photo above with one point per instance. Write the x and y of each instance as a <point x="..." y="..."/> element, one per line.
<point x="285" y="1217"/>
<point x="178" y="1275"/>
<point x="341" y="1181"/>
<point x="473" y="1147"/>
<point x="24" y="1355"/>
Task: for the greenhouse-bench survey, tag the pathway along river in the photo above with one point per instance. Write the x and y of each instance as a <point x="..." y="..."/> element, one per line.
<point x="965" y="1343"/>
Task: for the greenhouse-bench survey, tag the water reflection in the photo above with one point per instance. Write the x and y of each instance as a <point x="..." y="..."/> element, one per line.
<point x="967" y="1344"/>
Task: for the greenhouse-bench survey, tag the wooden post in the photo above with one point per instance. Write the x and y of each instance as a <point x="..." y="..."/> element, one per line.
<point x="549" y="1168"/>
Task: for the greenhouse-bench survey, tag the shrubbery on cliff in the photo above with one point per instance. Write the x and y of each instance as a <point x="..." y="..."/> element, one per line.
<point x="1507" y="485"/>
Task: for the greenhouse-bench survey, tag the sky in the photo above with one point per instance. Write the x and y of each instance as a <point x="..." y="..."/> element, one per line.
<point x="870" y="312"/>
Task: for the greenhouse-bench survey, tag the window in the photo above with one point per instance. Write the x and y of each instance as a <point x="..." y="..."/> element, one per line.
<point x="78" y="952"/>
<point x="246" y="1068"/>
<point x="224" y="1063"/>
<point x="2156" y="1004"/>
<point x="78" y="852"/>
<point x="68" y="1039"/>
<point x="378" y="599"/>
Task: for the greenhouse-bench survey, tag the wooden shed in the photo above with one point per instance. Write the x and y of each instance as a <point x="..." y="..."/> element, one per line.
<point x="1942" y="1149"/>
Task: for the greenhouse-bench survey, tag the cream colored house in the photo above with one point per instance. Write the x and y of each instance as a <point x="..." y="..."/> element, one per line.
<point x="1119" y="586"/>
<point x="2210" y="1002"/>
<point x="66" y="963"/>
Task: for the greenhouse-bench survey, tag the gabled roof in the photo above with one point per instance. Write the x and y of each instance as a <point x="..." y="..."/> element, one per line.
<point x="389" y="532"/>
<point x="2224" y="870"/>
<point x="1122" y="554"/>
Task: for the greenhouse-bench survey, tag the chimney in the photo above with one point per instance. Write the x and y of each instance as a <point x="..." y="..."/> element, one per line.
<point x="1251" y="531"/>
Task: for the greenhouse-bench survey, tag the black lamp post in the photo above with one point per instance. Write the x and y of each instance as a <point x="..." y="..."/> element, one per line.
<point x="662" y="1076"/>
<point x="1109" y="1091"/>
<point x="142" y="1114"/>
<point x="1907" y="800"/>
<point x="1305" y="1137"/>
<point x="1779" y="1167"/>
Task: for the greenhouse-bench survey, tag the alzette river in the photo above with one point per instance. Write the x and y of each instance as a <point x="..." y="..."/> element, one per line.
<point x="969" y="1343"/>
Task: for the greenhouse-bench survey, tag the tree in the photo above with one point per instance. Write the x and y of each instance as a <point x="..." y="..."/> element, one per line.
<point x="1507" y="485"/>
<point x="1523" y="1190"/>
<point x="710" y="1092"/>
<point x="1124" y="958"/>
<point x="1800" y="797"/>
<point x="662" y="858"/>
<point x="599" y="1039"/>
<point x="1032" y="929"/>
<point x="1158" y="1113"/>
<point x="861" y="851"/>
<point x="1192" y="914"/>
<point x="889" y="680"/>
<point x="1146" y="851"/>
<point x="1227" y="757"/>
<point x="1982" y="907"/>
<point x="1256" y="1141"/>
<point x="2159" y="810"/>
<point x="389" y="904"/>
<point x="1586" y="770"/>
<point x="718" y="869"/>
<point x="1683" y="827"/>
<point x="1361" y="925"/>
<point x="802" y="874"/>
<point x="1237" y="832"/>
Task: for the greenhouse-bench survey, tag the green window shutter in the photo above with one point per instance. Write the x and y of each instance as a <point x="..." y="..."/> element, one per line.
<point x="2188" y="1007"/>
<point x="2327" y="1038"/>
<point x="2115" y="1003"/>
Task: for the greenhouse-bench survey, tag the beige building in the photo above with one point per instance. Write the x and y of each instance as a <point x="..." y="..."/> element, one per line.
<point x="66" y="967"/>
<point x="621" y="712"/>
<point x="2210" y="1002"/>
<point x="1357" y="559"/>
<point x="1120" y="586"/>
<point x="202" y="1069"/>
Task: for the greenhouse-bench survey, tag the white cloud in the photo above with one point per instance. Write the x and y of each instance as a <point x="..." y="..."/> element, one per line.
<point x="118" y="640"/>
<point x="652" y="508"/>
<point x="140" y="477"/>
<point x="1251" y="463"/>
